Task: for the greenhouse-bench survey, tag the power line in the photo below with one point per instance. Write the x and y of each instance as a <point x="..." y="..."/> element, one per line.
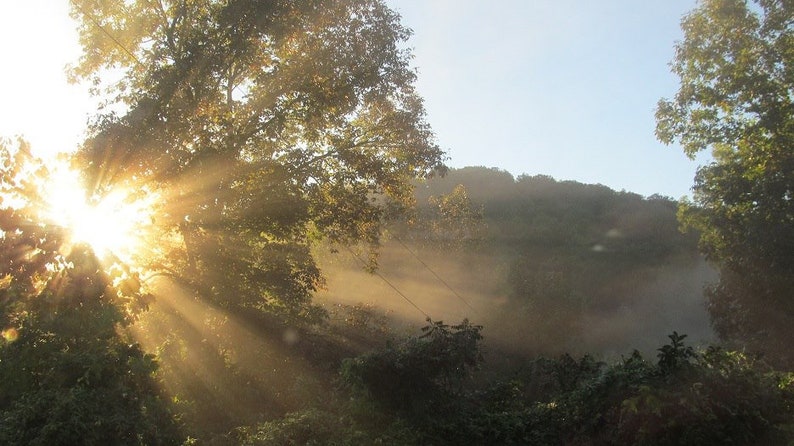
<point x="107" y="33"/>
<point x="114" y="39"/>
<point x="449" y="287"/>
<point x="397" y="290"/>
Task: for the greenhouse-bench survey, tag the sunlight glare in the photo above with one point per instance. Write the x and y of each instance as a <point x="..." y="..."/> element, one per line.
<point x="114" y="224"/>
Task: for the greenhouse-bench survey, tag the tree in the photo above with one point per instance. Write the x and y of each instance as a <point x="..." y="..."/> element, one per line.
<point x="736" y="68"/>
<point x="456" y="221"/>
<point x="67" y="375"/>
<point x="265" y="123"/>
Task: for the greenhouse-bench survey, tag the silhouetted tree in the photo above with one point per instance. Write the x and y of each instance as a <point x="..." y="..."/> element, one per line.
<point x="422" y="374"/>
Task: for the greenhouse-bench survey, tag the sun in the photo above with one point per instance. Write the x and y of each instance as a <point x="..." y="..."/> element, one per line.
<point x="110" y="225"/>
<point x="115" y="224"/>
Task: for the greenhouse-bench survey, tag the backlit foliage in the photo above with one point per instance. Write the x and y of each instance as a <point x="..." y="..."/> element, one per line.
<point x="264" y="124"/>
<point x="687" y="397"/>
<point x="67" y="375"/>
<point x="735" y="68"/>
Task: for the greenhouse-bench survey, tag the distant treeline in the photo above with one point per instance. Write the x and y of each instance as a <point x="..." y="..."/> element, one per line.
<point x="539" y="212"/>
<point x="550" y="266"/>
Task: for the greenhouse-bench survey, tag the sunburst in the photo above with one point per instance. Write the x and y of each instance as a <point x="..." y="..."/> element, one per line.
<point x="115" y="224"/>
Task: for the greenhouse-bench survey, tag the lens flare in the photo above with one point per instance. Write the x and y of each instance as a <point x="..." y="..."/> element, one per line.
<point x="10" y="334"/>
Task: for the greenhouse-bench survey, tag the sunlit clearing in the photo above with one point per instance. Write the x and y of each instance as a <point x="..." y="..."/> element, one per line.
<point x="114" y="224"/>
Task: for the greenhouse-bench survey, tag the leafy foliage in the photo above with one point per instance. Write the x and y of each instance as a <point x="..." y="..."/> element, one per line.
<point x="457" y="222"/>
<point x="321" y="427"/>
<point x="66" y="374"/>
<point x="687" y="397"/>
<point x="674" y="355"/>
<point x="269" y="125"/>
<point x="65" y="382"/>
<point x="421" y="374"/>
<point x="734" y="65"/>
<point x="265" y="124"/>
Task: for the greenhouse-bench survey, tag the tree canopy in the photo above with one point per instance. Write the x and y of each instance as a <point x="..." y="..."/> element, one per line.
<point x="266" y="124"/>
<point x="736" y="68"/>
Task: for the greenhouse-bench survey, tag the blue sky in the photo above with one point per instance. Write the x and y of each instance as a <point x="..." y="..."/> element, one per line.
<point x="565" y="88"/>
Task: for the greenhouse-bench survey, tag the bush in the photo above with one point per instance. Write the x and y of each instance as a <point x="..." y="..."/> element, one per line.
<point x="420" y="373"/>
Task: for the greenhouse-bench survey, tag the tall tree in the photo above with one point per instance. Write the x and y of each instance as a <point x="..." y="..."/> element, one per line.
<point x="265" y="124"/>
<point x="736" y="68"/>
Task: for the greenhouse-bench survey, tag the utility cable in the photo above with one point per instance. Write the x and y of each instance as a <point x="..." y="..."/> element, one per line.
<point x="113" y="38"/>
<point x="416" y="256"/>
<point x="397" y="290"/>
<point x="107" y="33"/>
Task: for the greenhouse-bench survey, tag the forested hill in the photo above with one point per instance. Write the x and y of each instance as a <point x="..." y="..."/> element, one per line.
<point x="539" y="210"/>
<point x="546" y="266"/>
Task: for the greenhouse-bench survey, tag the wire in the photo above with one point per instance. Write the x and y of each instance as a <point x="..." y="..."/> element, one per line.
<point x="115" y="40"/>
<point x="435" y="274"/>
<point x="107" y="33"/>
<point x="397" y="290"/>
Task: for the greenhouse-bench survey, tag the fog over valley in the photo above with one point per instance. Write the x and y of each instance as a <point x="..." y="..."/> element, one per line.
<point x="648" y="279"/>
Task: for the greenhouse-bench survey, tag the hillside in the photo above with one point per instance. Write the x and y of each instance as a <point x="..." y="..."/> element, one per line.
<point x="546" y="266"/>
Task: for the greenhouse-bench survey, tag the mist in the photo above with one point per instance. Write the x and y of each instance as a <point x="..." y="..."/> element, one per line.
<point x="671" y="298"/>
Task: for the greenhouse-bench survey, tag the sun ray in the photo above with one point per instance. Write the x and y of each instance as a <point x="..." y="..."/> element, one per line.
<point x="203" y="349"/>
<point x="116" y="224"/>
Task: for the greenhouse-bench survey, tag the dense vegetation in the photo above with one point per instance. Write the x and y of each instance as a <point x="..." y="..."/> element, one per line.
<point x="735" y="68"/>
<point x="286" y="145"/>
<point x="68" y="374"/>
<point x="218" y="378"/>
<point x="415" y="393"/>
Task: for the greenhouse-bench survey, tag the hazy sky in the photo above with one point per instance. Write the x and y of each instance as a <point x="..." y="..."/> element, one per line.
<point x="559" y="87"/>
<point x="565" y="88"/>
